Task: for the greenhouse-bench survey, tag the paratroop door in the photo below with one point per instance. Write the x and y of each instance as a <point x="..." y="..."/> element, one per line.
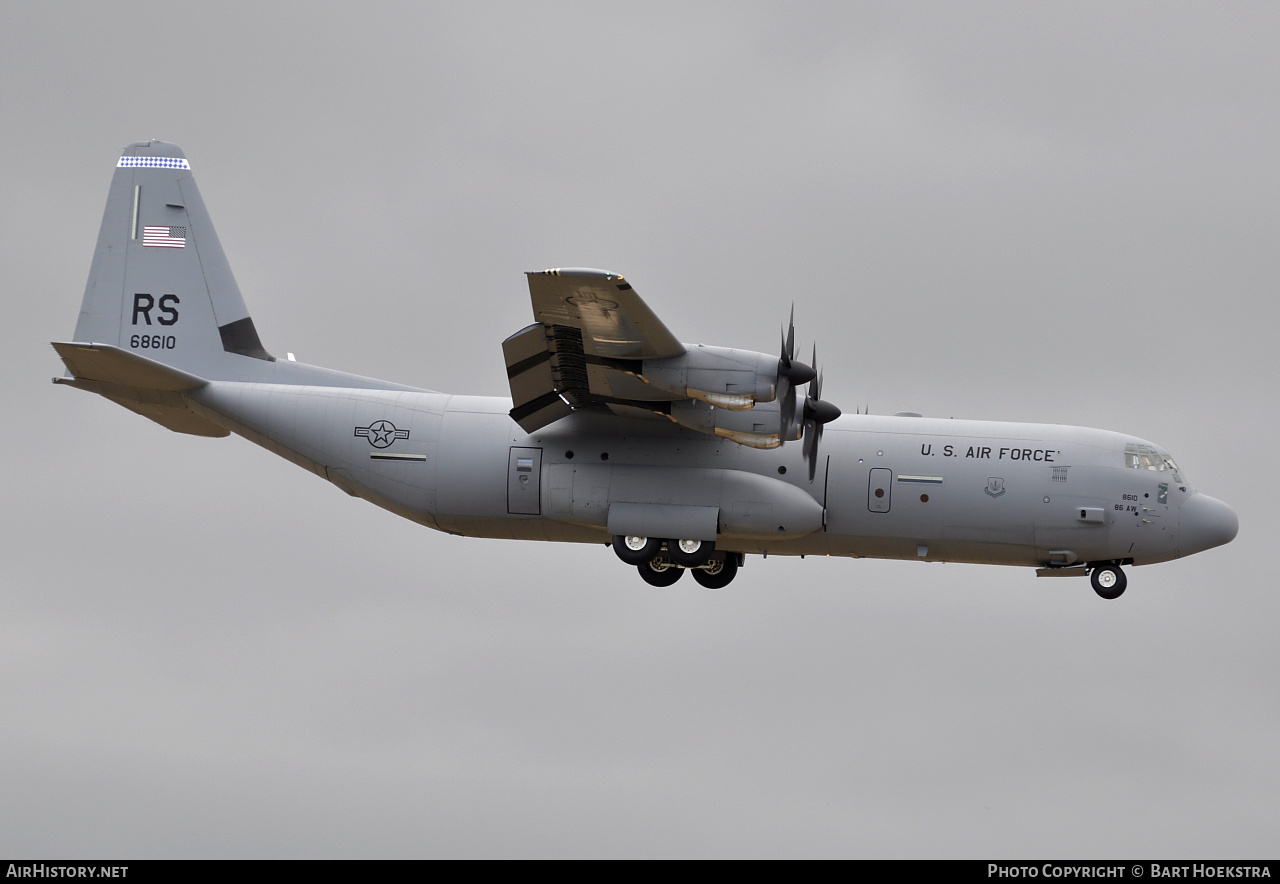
<point x="524" y="479"/>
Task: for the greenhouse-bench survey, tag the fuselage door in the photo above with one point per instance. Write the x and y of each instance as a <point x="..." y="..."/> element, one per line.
<point x="524" y="479"/>
<point x="880" y="490"/>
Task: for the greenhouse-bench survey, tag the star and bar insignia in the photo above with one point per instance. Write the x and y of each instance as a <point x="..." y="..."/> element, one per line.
<point x="381" y="433"/>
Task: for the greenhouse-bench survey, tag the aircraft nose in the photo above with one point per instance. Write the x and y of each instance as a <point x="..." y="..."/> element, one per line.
<point x="1205" y="522"/>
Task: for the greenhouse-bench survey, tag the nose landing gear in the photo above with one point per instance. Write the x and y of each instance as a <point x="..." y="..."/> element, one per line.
<point x="1108" y="580"/>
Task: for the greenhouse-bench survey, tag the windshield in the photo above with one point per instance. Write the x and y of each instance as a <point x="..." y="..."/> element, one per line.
<point x="1144" y="457"/>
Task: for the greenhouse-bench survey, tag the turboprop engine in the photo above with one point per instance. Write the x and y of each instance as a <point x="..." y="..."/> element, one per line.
<point x="740" y="417"/>
<point x="720" y="376"/>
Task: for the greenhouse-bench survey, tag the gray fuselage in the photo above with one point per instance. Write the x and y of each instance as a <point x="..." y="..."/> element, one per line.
<point x="950" y="490"/>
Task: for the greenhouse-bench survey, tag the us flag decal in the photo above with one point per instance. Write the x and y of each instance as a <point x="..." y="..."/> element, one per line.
<point x="165" y="237"/>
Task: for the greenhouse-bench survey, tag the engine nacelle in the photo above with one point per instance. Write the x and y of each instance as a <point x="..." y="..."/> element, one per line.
<point x="719" y="376"/>
<point x="759" y="427"/>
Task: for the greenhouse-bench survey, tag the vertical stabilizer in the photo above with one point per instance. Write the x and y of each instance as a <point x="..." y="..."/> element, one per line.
<point x="160" y="285"/>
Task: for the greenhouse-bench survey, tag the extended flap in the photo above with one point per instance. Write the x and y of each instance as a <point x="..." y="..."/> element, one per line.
<point x="534" y="400"/>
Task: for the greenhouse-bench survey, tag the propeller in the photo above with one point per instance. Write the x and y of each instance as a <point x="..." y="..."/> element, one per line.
<point x="791" y="374"/>
<point x="817" y="413"/>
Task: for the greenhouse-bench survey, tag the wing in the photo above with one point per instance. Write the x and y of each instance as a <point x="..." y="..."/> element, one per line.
<point x="597" y="345"/>
<point x="612" y="319"/>
<point x="592" y="335"/>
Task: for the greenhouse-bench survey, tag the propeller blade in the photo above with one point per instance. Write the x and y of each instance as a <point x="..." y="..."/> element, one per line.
<point x="796" y="372"/>
<point x="817" y="414"/>
<point x="791" y="374"/>
<point x="787" y="406"/>
<point x="812" y="435"/>
<point x="812" y="429"/>
<point x="815" y="386"/>
<point x="791" y="336"/>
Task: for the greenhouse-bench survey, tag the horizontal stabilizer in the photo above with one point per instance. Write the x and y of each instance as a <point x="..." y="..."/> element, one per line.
<point x="111" y="365"/>
<point x="142" y="385"/>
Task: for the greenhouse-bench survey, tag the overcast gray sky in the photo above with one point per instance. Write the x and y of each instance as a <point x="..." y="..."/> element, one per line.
<point x="1049" y="212"/>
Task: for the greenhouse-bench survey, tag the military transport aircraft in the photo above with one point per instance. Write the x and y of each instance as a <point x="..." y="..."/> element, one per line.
<point x="679" y="456"/>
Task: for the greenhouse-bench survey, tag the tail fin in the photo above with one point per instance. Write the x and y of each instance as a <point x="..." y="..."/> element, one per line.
<point x="162" y="315"/>
<point x="160" y="285"/>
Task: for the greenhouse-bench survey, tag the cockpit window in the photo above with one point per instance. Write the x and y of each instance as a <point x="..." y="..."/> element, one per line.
<point x="1144" y="457"/>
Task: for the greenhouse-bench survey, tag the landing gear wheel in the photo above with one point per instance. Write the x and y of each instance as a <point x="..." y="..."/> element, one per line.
<point x="668" y="574"/>
<point x="636" y="550"/>
<point x="691" y="553"/>
<point x="719" y="573"/>
<point x="1108" y="581"/>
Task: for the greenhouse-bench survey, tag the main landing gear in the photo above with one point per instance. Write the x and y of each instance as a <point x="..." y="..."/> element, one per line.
<point x="663" y="562"/>
<point x="1108" y="580"/>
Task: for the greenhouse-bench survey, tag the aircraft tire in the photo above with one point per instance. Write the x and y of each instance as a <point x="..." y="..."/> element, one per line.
<point x="636" y="550"/>
<point x="1109" y="581"/>
<point x="666" y="577"/>
<point x="721" y="577"/>
<point x="696" y="557"/>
